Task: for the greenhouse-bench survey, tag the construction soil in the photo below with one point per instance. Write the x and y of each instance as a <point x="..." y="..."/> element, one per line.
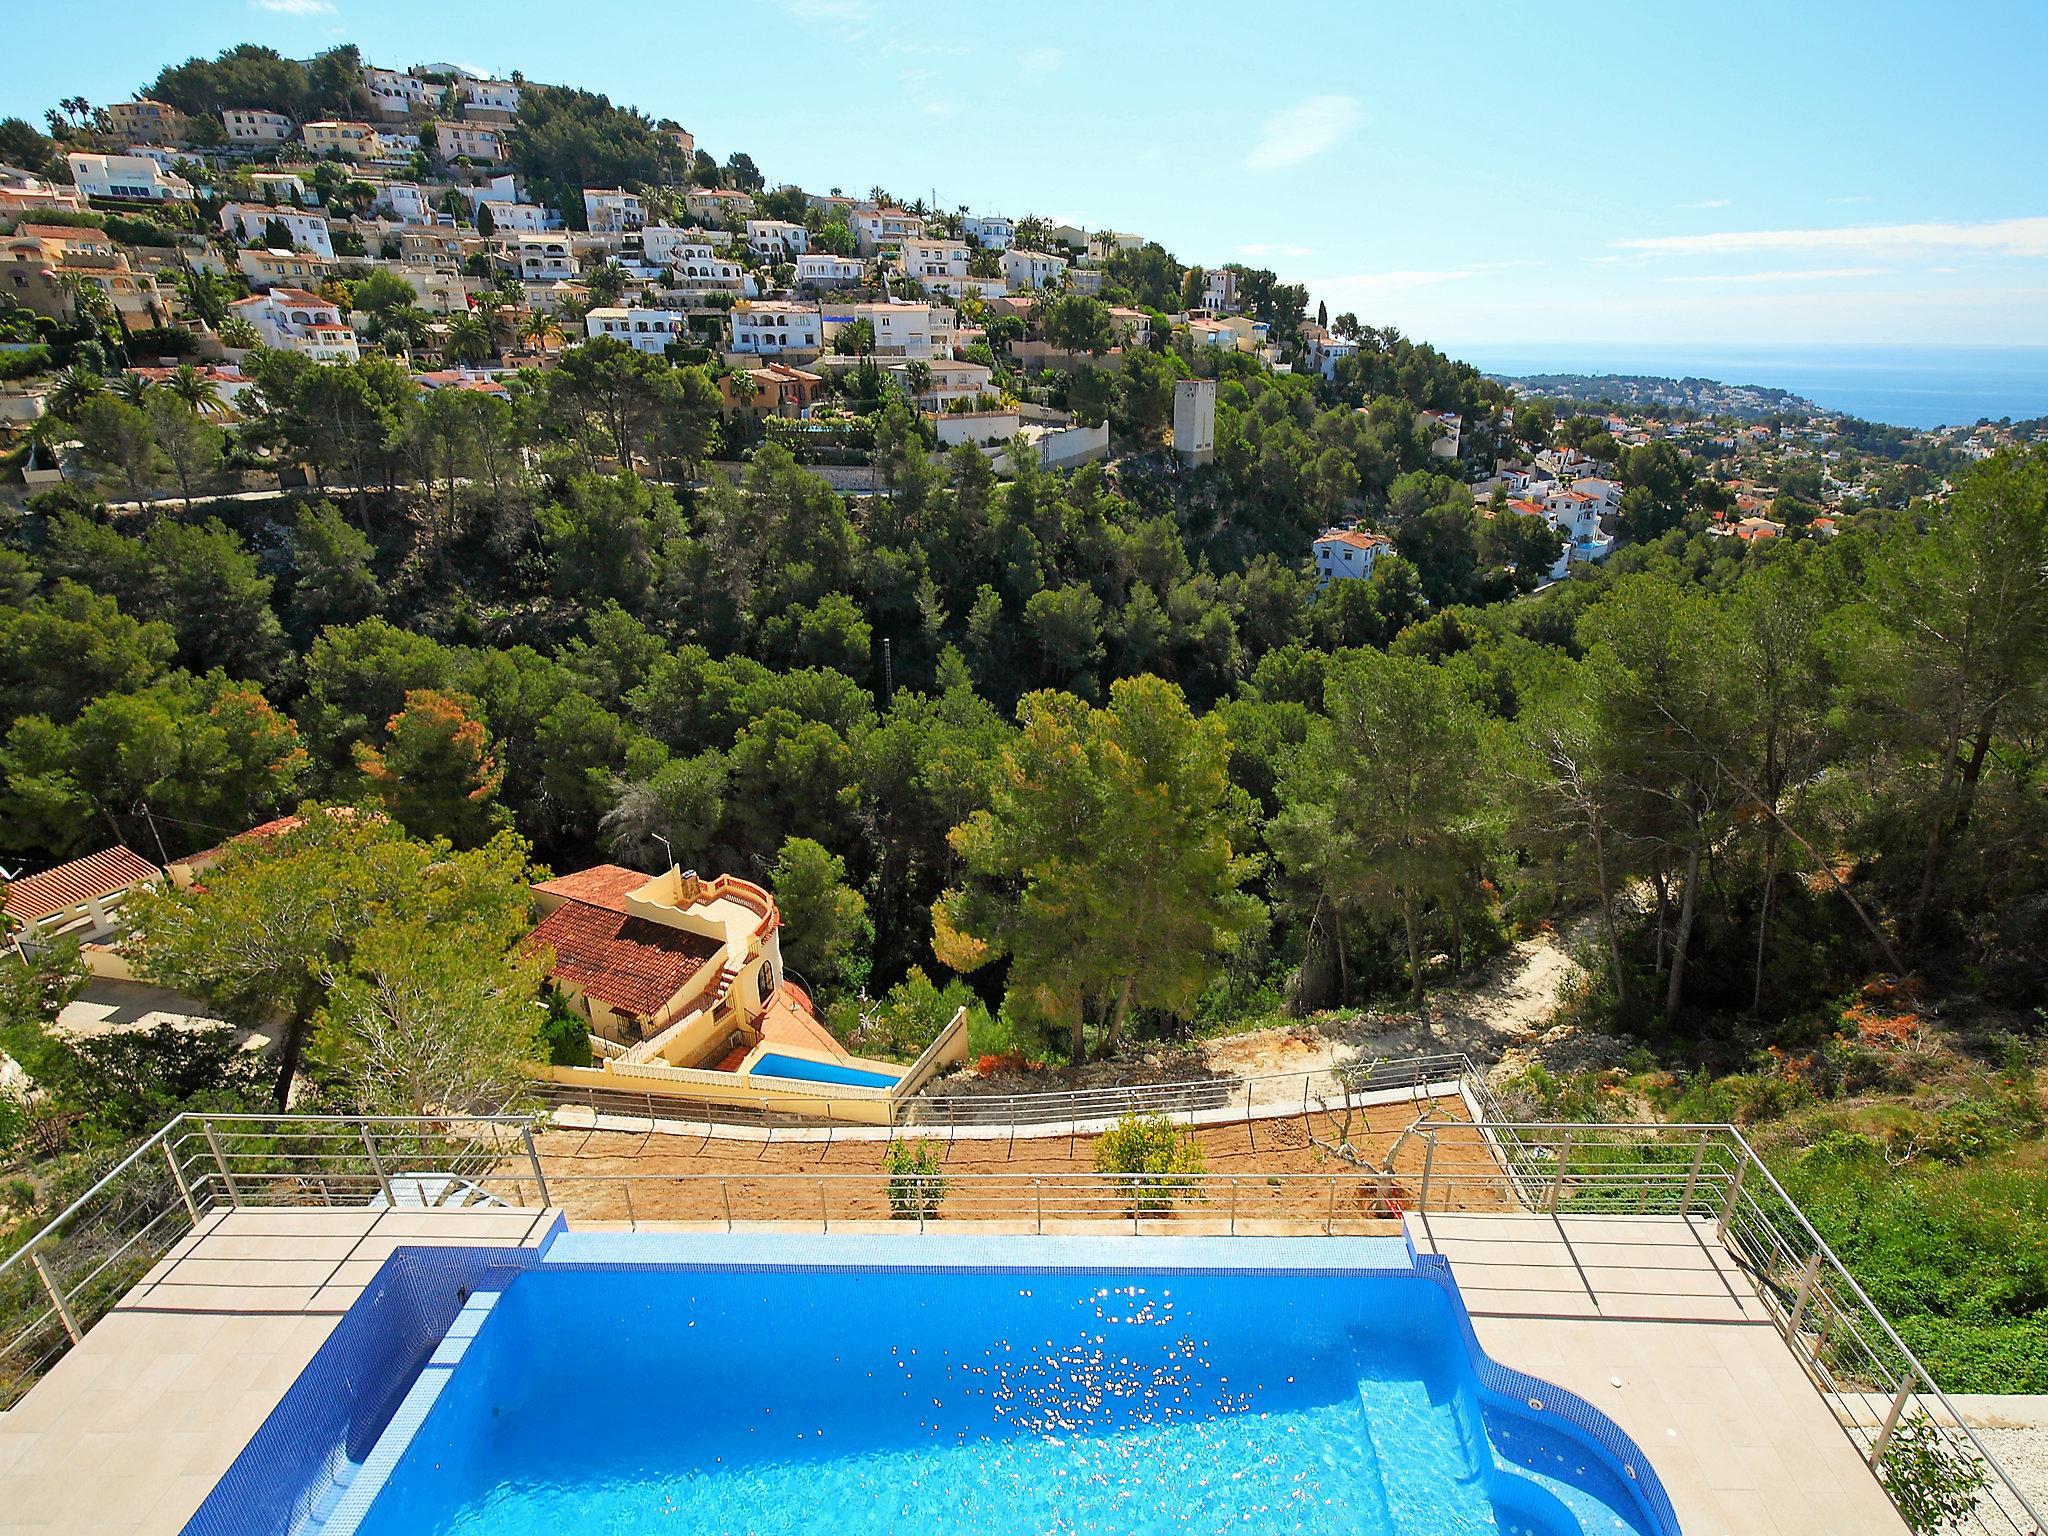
<point x="1283" y="1173"/>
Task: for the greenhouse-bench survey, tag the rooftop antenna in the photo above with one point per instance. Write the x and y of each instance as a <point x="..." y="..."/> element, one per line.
<point x="665" y="848"/>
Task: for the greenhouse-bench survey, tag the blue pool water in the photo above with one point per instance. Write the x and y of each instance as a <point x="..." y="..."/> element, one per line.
<point x="607" y="1401"/>
<point x="821" y="1072"/>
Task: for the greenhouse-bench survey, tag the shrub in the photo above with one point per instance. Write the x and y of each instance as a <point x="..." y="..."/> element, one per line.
<point x="23" y="362"/>
<point x="1933" y="1482"/>
<point x="564" y="1035"/>
<point x="915" y="1187"/>
<point x="1156" y="1158"/>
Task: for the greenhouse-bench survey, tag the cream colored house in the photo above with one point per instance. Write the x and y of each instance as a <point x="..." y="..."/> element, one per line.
<point x="80" y="900"/>
<point x="678" y="969"/>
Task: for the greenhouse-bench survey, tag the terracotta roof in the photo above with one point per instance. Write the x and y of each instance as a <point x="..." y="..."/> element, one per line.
<point x="602" y="885"/>
<point x="632" y="964"/>
<point x="54" y="890"/>
<point x="262" y="832"/>
<point x="1355" y="539"/>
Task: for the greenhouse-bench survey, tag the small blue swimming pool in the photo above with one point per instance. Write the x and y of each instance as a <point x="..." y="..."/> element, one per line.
<point x="998" y="1401"/>
<point x="807" y="1071"/>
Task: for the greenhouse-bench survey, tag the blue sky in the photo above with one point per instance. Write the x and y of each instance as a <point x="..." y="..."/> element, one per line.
<point x="1647" y="172"/>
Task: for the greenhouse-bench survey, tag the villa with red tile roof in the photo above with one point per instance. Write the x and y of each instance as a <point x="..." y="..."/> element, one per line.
<point x="1348" y="552"/>
<point x="80" y="900"/>
<point x="672" y="969"/>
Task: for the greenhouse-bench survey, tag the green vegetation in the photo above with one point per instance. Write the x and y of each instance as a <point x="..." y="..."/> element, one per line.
<point x="915" y="1188"/>
<point x="1152" y="1158"/>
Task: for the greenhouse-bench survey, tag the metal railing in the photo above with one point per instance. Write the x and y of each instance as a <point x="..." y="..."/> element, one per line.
<point x="1181" y="1099"/>
<point x="66" y="1276"/>
<point x="1870" y="1379"/>
<point x="58" y="1283"/>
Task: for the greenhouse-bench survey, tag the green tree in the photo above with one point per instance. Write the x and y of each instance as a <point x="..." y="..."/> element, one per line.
<point x="1103" y="825"/>
<point x="190" y="444"/>
<point x="825" y="928"/>
<point x="276" y="923"/>
<point x="1376" y="808"/>
<point x="117" y="437"/>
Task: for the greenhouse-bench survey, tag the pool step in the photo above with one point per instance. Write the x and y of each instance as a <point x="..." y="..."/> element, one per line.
<point x="1434" y="1484"/>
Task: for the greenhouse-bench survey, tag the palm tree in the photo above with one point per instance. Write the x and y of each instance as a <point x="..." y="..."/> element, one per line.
<point x="469" y="338"/>
<point x="77" y="386"/>
<point x="132" y="389"/>
<point x="606" y="282"/>
<point x="537" y="327"/>
<point x="191" y="386"/>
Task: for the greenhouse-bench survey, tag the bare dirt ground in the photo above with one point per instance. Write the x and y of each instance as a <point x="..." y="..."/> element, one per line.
<point x="1500" y="1007"/>
<point x="1282" y="1173"/>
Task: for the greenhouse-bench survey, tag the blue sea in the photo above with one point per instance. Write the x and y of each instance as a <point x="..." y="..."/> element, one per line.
<point x="1903" y="386"/>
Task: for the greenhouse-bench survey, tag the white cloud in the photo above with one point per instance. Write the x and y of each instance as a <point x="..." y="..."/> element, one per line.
<point x="1262" y="249"/>
<point x="1998" y="237"/>
<point x="1789" y="275"/>
<point x="1301" y="132"/>
<point x="296" y="7"/>
<point x="919" y="89"/>
<point x="1854" y="197"/>
<point x="1707" y="202"/>
<point x="1040" y="62"/>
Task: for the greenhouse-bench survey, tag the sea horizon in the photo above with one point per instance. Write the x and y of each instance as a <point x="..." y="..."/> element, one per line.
<point x="1919" y="385"/>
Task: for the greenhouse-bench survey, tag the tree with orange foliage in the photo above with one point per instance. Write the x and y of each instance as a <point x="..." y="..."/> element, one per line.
<point x="437" y="772"/>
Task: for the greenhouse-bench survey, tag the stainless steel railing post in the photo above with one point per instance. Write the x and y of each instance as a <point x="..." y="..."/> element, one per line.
<point x="178" y="1178"/>
<point x="533" y="1157"/>
<point x="57" y="1298"/>
<point x="221" y="1161"/>
<point x="377" y="1167"/>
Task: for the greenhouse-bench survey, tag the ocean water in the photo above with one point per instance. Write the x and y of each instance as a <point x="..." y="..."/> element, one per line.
<point x="1902" y="386"/>
<point x="603" y="1403"/>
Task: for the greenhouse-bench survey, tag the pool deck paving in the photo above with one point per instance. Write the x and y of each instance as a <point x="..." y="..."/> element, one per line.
<point x="1650" y="1321"/>
<point x="132" y="1428"/>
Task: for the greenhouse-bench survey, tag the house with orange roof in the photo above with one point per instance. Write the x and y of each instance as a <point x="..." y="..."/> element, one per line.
<point x="291" y="319"/>
<point x="674" y="968"/>
<point x="80" y="900"/>
<point x="1348" y="553"/>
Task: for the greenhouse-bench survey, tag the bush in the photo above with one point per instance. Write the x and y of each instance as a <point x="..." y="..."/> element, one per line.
<point x="915" y="1188"/>
<point x="564" y="1035"/>
<point x="1155" y="1157"/>
<point x="163" y="341"/>
<point x="138" y="229"/>
<point x="20" y="364"/>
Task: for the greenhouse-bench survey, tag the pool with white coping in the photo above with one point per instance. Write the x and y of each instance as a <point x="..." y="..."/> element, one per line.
<point x="628" y="1382"/>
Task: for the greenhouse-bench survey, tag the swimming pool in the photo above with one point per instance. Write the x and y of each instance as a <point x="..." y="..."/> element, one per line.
<point x="805" y="1070"/>
<point x="999" y="1399"/>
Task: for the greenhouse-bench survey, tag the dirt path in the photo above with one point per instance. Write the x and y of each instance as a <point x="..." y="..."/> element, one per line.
<point x="1504" y="1004"/>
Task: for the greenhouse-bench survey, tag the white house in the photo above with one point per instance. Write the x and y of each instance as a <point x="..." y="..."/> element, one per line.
<point x="695" y="267"/>
<point x="1607" y="492"/>
<point x="519" y="218"/>
<point x="1449" y="431"/>
<point x="1220" y="290"/>
<point x="540" y="258"/>
<point x="1326" y="351"/>
<point x="769" y="329"/>
<point x="1348" y="553"/>
<point x="308" y="231"/>
<point x="951" y="380"/>
<point x="777" y="237"/>
<point x="293" y="320"/>
<point x="285" y="186"/>
<point x="134" y="177"/>
<point x="256" y="125"/>
<point x="1031" y="269"/>
<point x="827" y="271"/>
<point x="990" y="229"/>
<point x="1561" y="566"/>
<point x="644" y="330"/>
<point x="490" y="95"/>
<point x="394" y="91"/>
<point x="902" y="330"/>
<point x="874" y="228"/>
<point x="612" y="210"/>
<point x="927" y="259"/>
